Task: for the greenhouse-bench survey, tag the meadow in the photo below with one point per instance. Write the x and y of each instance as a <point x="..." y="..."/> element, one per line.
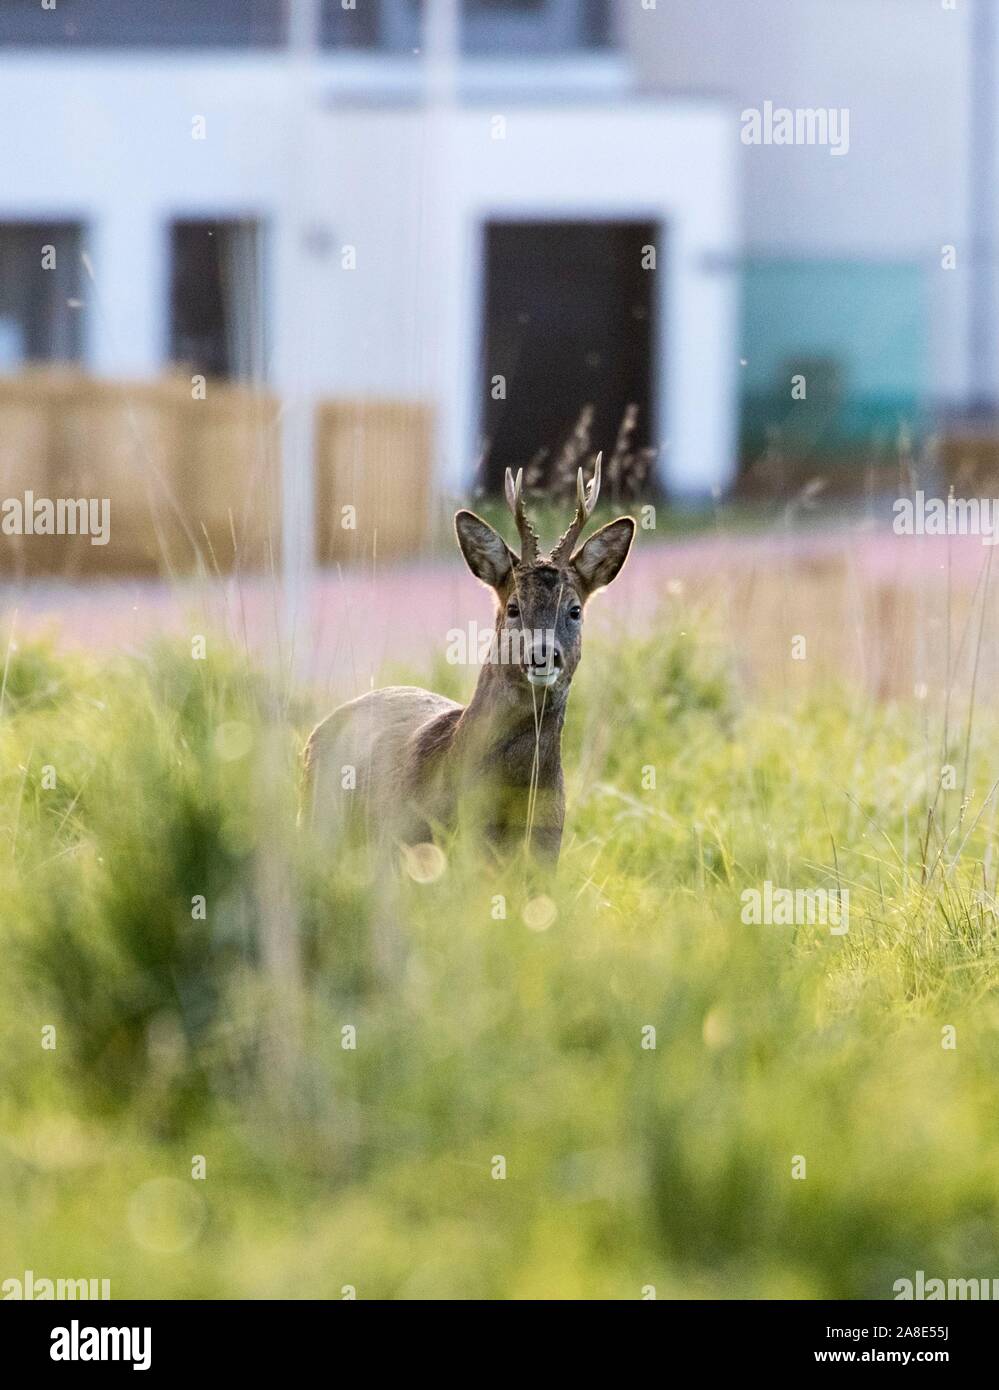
<point x="232" y="1068"/>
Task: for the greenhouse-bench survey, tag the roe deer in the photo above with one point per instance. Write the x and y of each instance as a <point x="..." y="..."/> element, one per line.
<point x="416" y="758"/>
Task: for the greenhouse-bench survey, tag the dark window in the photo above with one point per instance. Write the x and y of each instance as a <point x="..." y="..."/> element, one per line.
<point x="569" y="323"/>
<point x="216" y="298"/>
<point x="534" y="26"/>
<point x="359" y="27"/>
<point x="488" y="26"/>
<point x="143" y="23"/>
<point x="41" y="304"/>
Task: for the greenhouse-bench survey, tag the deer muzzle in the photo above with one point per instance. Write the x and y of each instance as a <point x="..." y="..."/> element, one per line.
<point x="543" y="661"/>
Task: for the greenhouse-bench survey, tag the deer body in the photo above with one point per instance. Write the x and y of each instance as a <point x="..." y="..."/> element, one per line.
<point x="400" y="762"/>
<point x="418" y="757"/>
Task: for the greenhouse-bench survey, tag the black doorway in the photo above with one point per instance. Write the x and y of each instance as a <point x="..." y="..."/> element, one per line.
<point x="568" y="322"/>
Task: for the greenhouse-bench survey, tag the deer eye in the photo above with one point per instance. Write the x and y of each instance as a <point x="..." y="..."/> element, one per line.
<point x="513" y="609"/>
<point x="575" y="612"/>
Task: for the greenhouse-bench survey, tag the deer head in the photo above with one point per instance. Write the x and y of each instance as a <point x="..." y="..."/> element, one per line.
<point x="540" y="599"/>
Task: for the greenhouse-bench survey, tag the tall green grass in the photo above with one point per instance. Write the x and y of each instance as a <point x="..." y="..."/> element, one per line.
<point x="477" y="1037"/>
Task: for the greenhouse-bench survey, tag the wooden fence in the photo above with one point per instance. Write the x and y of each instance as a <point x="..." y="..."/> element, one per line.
<point x="196" y="482"/>
<point x="372" y="480"/>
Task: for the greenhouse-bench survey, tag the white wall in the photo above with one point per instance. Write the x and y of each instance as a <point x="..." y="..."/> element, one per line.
<point x="901" y="67"/>
<point x="419" y="258"/>
<point x="107" y="138"/>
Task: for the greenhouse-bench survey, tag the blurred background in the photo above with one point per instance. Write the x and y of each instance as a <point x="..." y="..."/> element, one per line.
<point x="288" y="282"/>
<point x="285" y="278"/>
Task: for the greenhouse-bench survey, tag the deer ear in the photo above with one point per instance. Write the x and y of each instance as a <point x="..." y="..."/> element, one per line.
<point x="486" y="553"/>
<point x="598" y="561"/>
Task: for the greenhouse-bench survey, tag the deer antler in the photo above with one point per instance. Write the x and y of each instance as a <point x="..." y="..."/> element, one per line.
<point x="530" y="544"/>
<point x="586" y="500"/>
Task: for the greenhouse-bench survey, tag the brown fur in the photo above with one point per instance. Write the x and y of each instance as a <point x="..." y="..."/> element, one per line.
<point x="420" y="758"/>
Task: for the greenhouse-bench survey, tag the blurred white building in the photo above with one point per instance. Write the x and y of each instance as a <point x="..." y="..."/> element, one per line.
<point x="339" y="212"/>
<point x="323" y="200"/>
<point x="881" y="264"/>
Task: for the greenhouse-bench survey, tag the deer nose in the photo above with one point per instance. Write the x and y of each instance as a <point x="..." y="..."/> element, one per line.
<point x="543" y="654"/>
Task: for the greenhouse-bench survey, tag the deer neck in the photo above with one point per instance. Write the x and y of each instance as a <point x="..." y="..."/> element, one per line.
<point x="507" y="732"/>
